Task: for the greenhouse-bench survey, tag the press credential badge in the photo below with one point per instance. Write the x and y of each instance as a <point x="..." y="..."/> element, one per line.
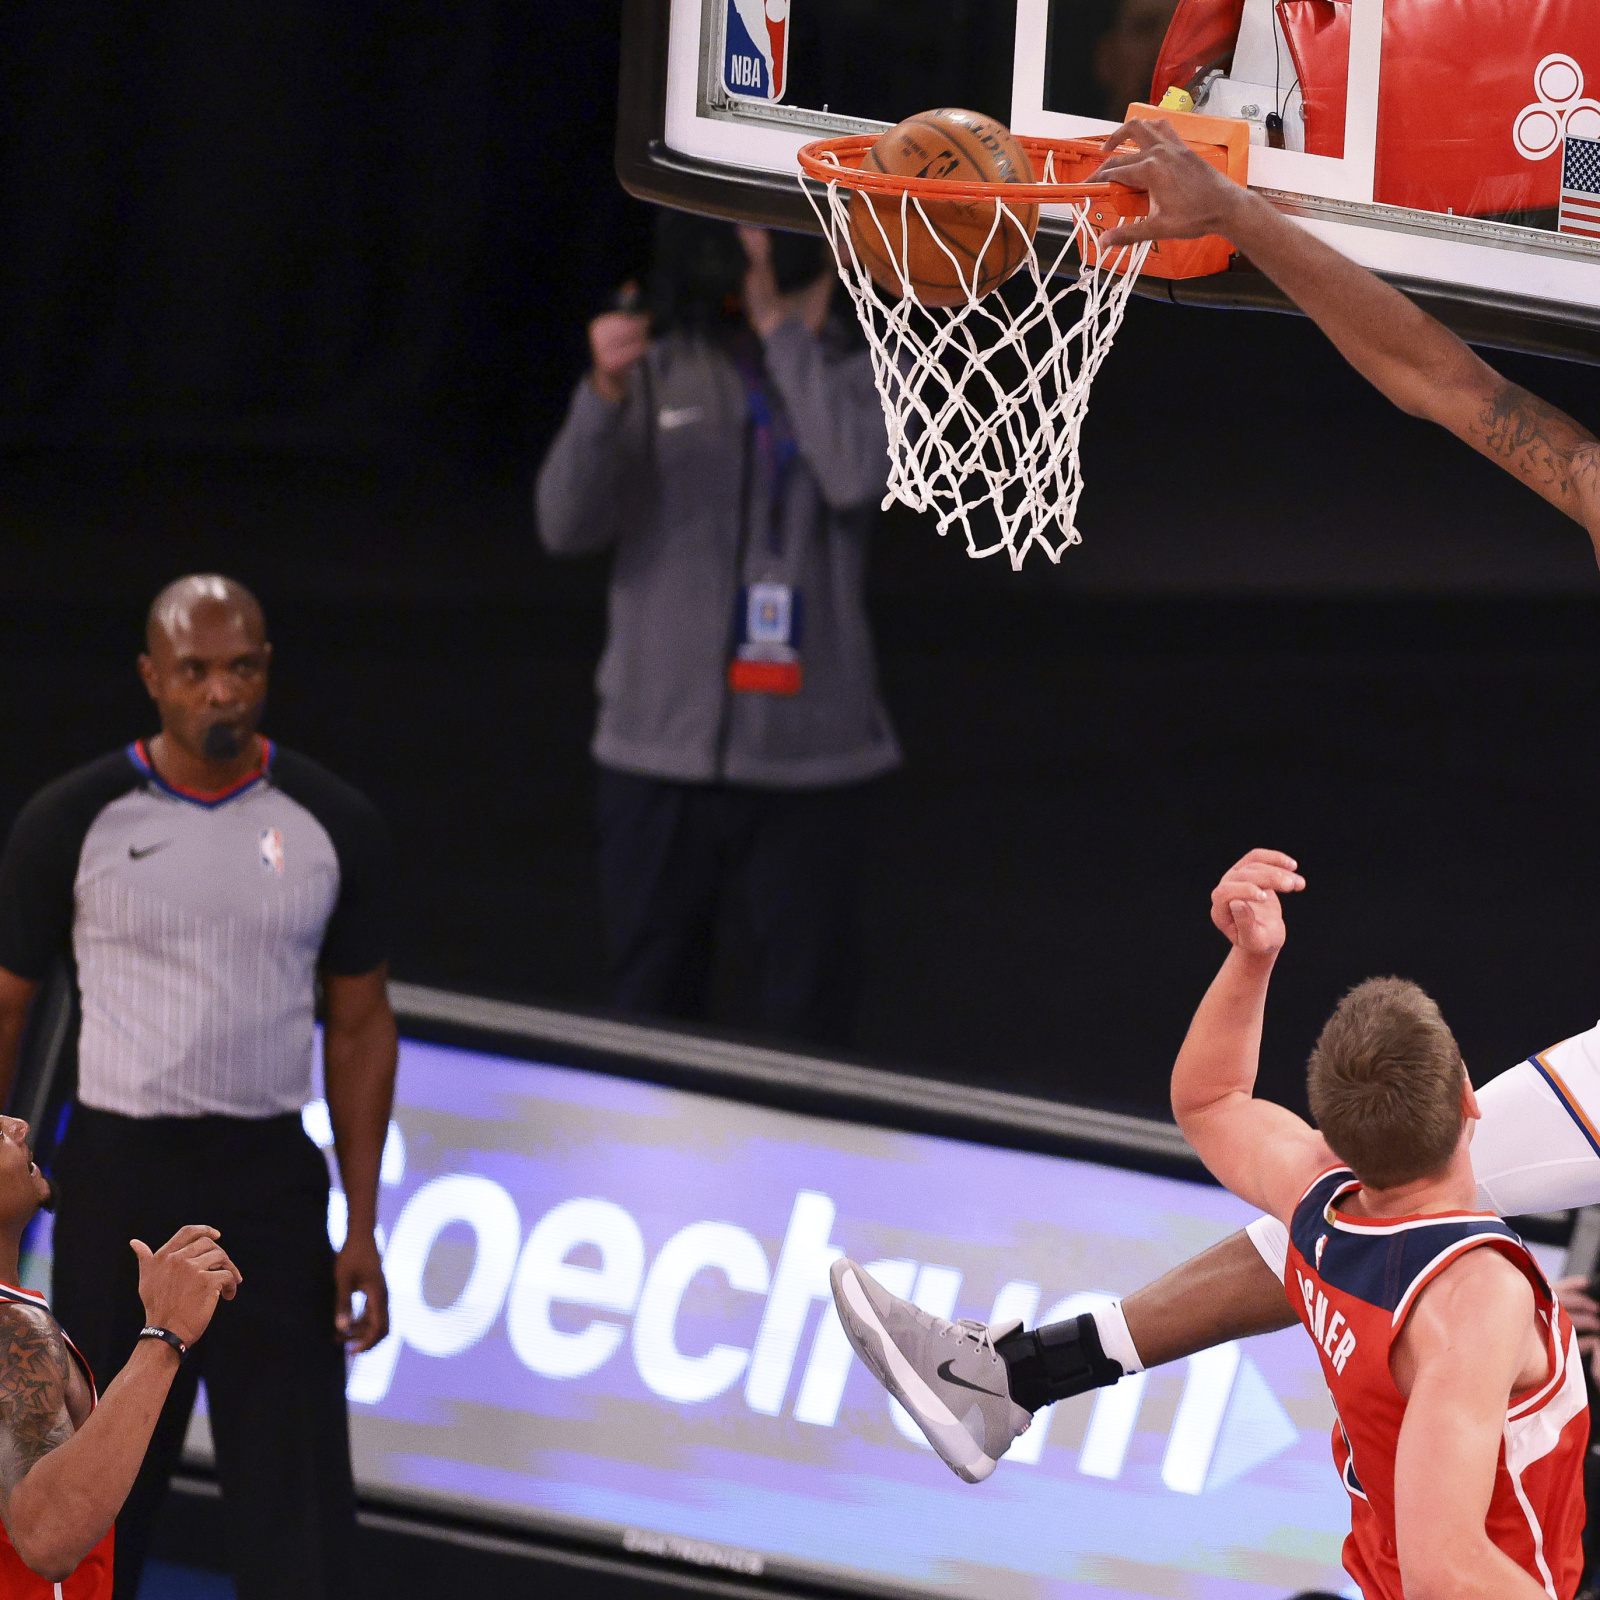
<point x="766" y="659"/>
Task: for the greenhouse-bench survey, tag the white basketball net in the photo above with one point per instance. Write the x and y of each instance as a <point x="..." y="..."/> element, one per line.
<point x="984" y="400"/>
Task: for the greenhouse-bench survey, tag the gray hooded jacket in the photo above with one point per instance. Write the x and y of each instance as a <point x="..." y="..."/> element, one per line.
<point x="671" y="479"/>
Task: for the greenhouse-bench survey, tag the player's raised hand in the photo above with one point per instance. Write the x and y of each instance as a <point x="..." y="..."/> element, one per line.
<point x="1245" y="904"/>
<point x="181" y="1282"/>
<point x="1188" y="197"/>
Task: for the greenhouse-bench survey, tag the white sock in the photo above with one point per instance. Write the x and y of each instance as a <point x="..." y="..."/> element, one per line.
<point x="1115" y="1339"/>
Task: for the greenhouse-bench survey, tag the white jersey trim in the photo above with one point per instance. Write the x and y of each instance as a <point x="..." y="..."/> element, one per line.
<point x="1531" y="1435"/>
<point x="1558" y="1372"/>
<point x="1373" y="1227"/>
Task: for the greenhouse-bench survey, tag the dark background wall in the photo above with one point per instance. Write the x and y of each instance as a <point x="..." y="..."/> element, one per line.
<point x="298" y="293"/>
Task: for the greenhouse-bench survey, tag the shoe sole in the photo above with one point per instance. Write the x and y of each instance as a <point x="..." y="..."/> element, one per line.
<point x="951" y="1441"/>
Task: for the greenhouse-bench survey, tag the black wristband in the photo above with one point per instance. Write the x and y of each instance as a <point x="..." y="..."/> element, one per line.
<point x="166" y="1336"/>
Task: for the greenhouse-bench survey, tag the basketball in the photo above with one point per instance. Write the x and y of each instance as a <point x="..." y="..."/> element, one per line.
<point x="951" y="251"/>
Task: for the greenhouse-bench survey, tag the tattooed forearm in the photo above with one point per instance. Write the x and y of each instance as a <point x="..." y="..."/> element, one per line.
<point x="33" y="1385"/>
<point x="1542" y="445"/>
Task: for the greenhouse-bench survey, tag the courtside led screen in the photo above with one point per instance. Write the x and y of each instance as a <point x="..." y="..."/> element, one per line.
<point x="610" y="1313"/>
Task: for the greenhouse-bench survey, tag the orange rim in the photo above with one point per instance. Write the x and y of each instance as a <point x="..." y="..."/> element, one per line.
<point x="846" y="170"/>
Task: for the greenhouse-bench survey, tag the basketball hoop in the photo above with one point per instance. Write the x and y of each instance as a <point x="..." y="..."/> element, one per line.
<point x="984" y="399"/>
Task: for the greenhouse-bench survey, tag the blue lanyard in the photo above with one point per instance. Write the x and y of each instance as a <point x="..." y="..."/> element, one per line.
<point x="775" y="446"/>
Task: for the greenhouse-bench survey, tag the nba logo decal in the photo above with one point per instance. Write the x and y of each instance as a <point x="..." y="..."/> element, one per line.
<point x="272" y="851"/>
<point x="755" y="50"/>
<point x="1321" y="1245"/>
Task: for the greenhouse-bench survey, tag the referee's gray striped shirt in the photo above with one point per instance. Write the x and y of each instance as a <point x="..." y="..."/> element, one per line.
<point x="198" y="924"/>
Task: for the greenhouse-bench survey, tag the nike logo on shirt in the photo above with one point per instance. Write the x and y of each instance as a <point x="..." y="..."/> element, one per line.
<point x="136" y="854"/>
<point x="961" y="1383"/>
<point x="678" y="416"/>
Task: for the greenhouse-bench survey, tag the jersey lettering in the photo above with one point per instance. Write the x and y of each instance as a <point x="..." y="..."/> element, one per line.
<point x="1352" y="1280"/>
<point x="1325" y="1329"/>
<point x="1333" y="1332"/>
<point x="1342" y="1354"/>
<point x="1316" y="1307"/>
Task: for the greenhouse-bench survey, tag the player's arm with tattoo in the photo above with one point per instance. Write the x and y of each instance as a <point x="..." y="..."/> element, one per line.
<point x="61" y="1490"/>
<point x="33" y="1419"/>
<point x="1412" y="358"/>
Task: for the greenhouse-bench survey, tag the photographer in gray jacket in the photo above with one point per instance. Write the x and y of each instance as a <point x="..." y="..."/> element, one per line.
<point x="728" y="447"/>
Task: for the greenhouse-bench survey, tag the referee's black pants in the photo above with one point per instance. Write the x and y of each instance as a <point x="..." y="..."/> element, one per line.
<point x="672" y="855"/>
<point x="273" y="1368"/>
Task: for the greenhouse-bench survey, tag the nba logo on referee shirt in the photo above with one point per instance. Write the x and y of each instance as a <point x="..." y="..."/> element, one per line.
<point x="755" y="50"/>
<point x="272" y="851"/>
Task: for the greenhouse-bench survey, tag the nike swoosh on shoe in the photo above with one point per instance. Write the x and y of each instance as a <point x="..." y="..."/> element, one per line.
<point x="136" y="854"/>
<point x="949" y="1377"/>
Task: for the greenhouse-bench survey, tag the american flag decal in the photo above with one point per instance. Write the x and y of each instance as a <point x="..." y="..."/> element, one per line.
<point x="1580" y="188"/>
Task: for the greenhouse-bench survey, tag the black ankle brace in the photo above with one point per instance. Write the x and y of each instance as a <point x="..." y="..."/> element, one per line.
<point x="1053" y="1363"/>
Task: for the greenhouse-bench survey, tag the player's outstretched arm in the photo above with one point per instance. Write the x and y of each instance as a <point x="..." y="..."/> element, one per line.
<point x="1417" y="362"/>
<point x="1469" y="1342"/>
<point x="1265" y="1154"/>
<point x="60" y="1490"/>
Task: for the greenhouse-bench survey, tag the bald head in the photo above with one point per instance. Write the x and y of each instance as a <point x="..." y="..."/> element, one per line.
<point x="179" y="608"/>
<point x="205" y="666"/>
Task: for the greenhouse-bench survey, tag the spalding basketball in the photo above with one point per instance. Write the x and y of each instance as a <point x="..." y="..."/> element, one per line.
<point x="952" y="245"/>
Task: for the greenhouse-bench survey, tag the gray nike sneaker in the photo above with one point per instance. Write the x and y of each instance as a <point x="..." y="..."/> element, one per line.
<point x="947" y="1375"/>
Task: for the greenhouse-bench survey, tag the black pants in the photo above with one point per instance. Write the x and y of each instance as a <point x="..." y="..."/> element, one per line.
<point x="273" y="1368"/>
<point x="670" y="856"/>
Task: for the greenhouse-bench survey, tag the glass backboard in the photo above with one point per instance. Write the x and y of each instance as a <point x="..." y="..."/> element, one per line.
<point x="1454" y="147"/>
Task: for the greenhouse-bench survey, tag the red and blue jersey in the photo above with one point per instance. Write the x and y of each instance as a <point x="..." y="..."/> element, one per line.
<point x="1353" y="1281"/>
<point x="91" y="1578"/>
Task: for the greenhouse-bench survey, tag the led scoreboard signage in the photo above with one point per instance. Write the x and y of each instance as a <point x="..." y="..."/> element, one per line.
<point x="610" y="1316"/>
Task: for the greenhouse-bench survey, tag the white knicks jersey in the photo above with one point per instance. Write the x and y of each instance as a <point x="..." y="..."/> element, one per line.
<point x="1537" y="1147"/>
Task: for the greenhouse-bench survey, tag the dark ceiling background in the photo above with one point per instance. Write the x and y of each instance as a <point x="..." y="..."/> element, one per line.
<point x="298" y="292"/>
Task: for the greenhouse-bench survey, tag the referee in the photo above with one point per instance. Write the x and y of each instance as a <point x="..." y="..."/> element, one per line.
<point x="202" y="881"/>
